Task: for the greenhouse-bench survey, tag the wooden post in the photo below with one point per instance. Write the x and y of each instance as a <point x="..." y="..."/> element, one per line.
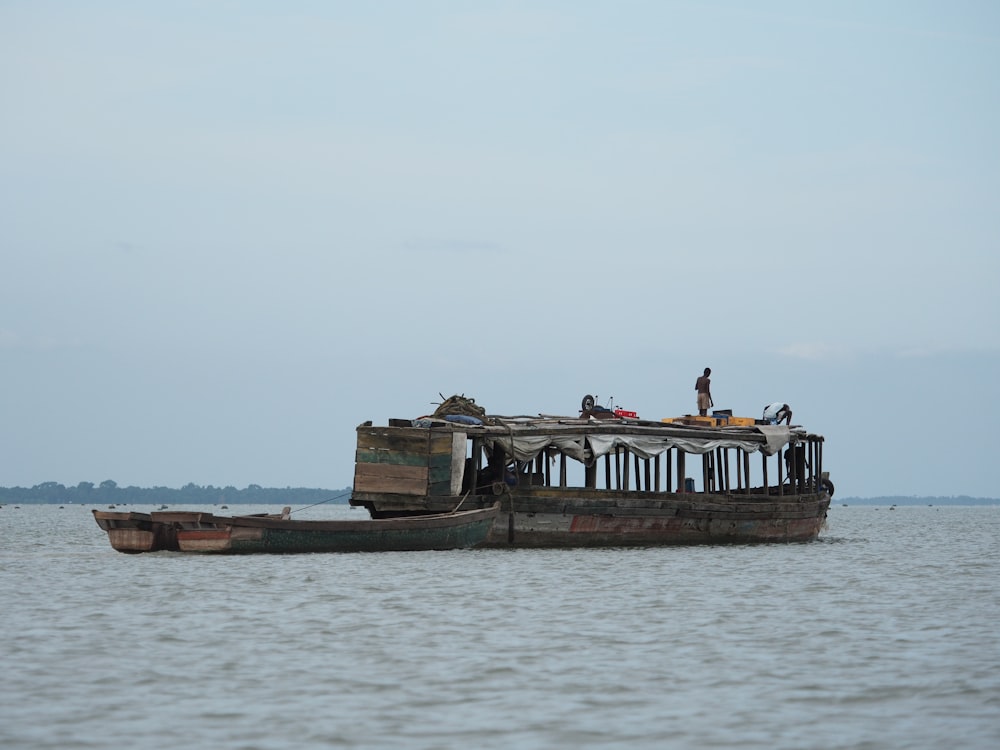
<point x="725" y="462"/>
<point x="763" y="457"/>
<point x="618" y="469"/>
<point x="681" y="471"/>
<point x="811" y="464"/>
<point x="706" y="471"/>
<point x="477" y="464"/>
<point x="607" y="471"/>
<point x="562" y="469"/>
<point x="590" y="475"/>
<point x="800" y="470"/>
<point x="781" y="473"/>
<point x="793" y="470"/>
<point x="819" y="461"/>
<point x="746" y="470"/>
<point x="625" y="470"/>
<point x="668" y="457"/>
<point x="806" y="471"/>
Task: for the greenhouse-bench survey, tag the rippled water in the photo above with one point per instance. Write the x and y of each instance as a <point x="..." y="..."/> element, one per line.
<point x="881" y="635"/>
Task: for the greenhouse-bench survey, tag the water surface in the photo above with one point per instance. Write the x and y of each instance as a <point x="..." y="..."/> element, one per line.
<point x="883" y="634"/>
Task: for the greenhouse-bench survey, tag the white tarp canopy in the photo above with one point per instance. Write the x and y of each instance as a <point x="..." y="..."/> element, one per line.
<point x="583" y="447"/>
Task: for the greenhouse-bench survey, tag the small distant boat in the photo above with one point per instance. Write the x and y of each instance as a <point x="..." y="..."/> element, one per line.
<point x="190" y="531"/>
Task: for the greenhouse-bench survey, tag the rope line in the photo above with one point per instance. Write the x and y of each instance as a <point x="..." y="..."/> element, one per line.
<point x="328" y="500"/>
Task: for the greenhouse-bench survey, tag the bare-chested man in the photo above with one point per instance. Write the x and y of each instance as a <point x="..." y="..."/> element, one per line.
<point x="703" y="386"/>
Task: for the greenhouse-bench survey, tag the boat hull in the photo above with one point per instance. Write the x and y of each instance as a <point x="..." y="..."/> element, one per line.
<point x="131" y="532"/>
<point x="559" y="517"/>
<point x="249" y="535"/>
<point x="571" y="530"/>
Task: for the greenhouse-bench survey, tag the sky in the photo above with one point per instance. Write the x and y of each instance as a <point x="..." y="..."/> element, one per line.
<point x="231" y="232"/>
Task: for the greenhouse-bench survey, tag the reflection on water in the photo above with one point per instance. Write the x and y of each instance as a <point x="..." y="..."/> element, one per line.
<point x="882" y="634"/>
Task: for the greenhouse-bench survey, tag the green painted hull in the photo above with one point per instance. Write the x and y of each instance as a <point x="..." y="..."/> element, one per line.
<point x="253" y="535"/>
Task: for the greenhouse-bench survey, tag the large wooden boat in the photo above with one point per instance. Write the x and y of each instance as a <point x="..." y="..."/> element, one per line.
<point x="600" y="479"/>
<point x="254" y="534"/>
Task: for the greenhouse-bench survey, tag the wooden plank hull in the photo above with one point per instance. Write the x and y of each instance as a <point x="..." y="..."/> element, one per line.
<point x="562" y="517"/>
<point x="246" y="535"/>
<point x="554" y="530"/>
<point x="132" y="532"/>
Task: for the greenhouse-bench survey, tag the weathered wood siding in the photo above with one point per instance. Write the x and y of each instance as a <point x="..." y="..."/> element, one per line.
<point x="409" y="461"/>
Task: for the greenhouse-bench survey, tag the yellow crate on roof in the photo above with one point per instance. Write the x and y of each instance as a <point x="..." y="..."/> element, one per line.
<point x="697" y="421"/>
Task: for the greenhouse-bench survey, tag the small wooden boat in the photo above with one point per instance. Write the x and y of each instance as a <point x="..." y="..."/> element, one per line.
<point x="255" y="534"/>
<point x="132" y="532"/>
<point x="192" y="531"/>
<point x="140" y="532"/>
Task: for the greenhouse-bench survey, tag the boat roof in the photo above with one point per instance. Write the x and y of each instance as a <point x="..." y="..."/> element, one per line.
<point x="526" y="436"/>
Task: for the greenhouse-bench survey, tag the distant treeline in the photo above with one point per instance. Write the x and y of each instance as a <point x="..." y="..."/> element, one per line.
<point x="108" y="492"/>
<point x="899" y="500"/>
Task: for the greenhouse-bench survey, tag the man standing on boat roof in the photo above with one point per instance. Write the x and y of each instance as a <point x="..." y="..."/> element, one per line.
<point x="703" y="386"/>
